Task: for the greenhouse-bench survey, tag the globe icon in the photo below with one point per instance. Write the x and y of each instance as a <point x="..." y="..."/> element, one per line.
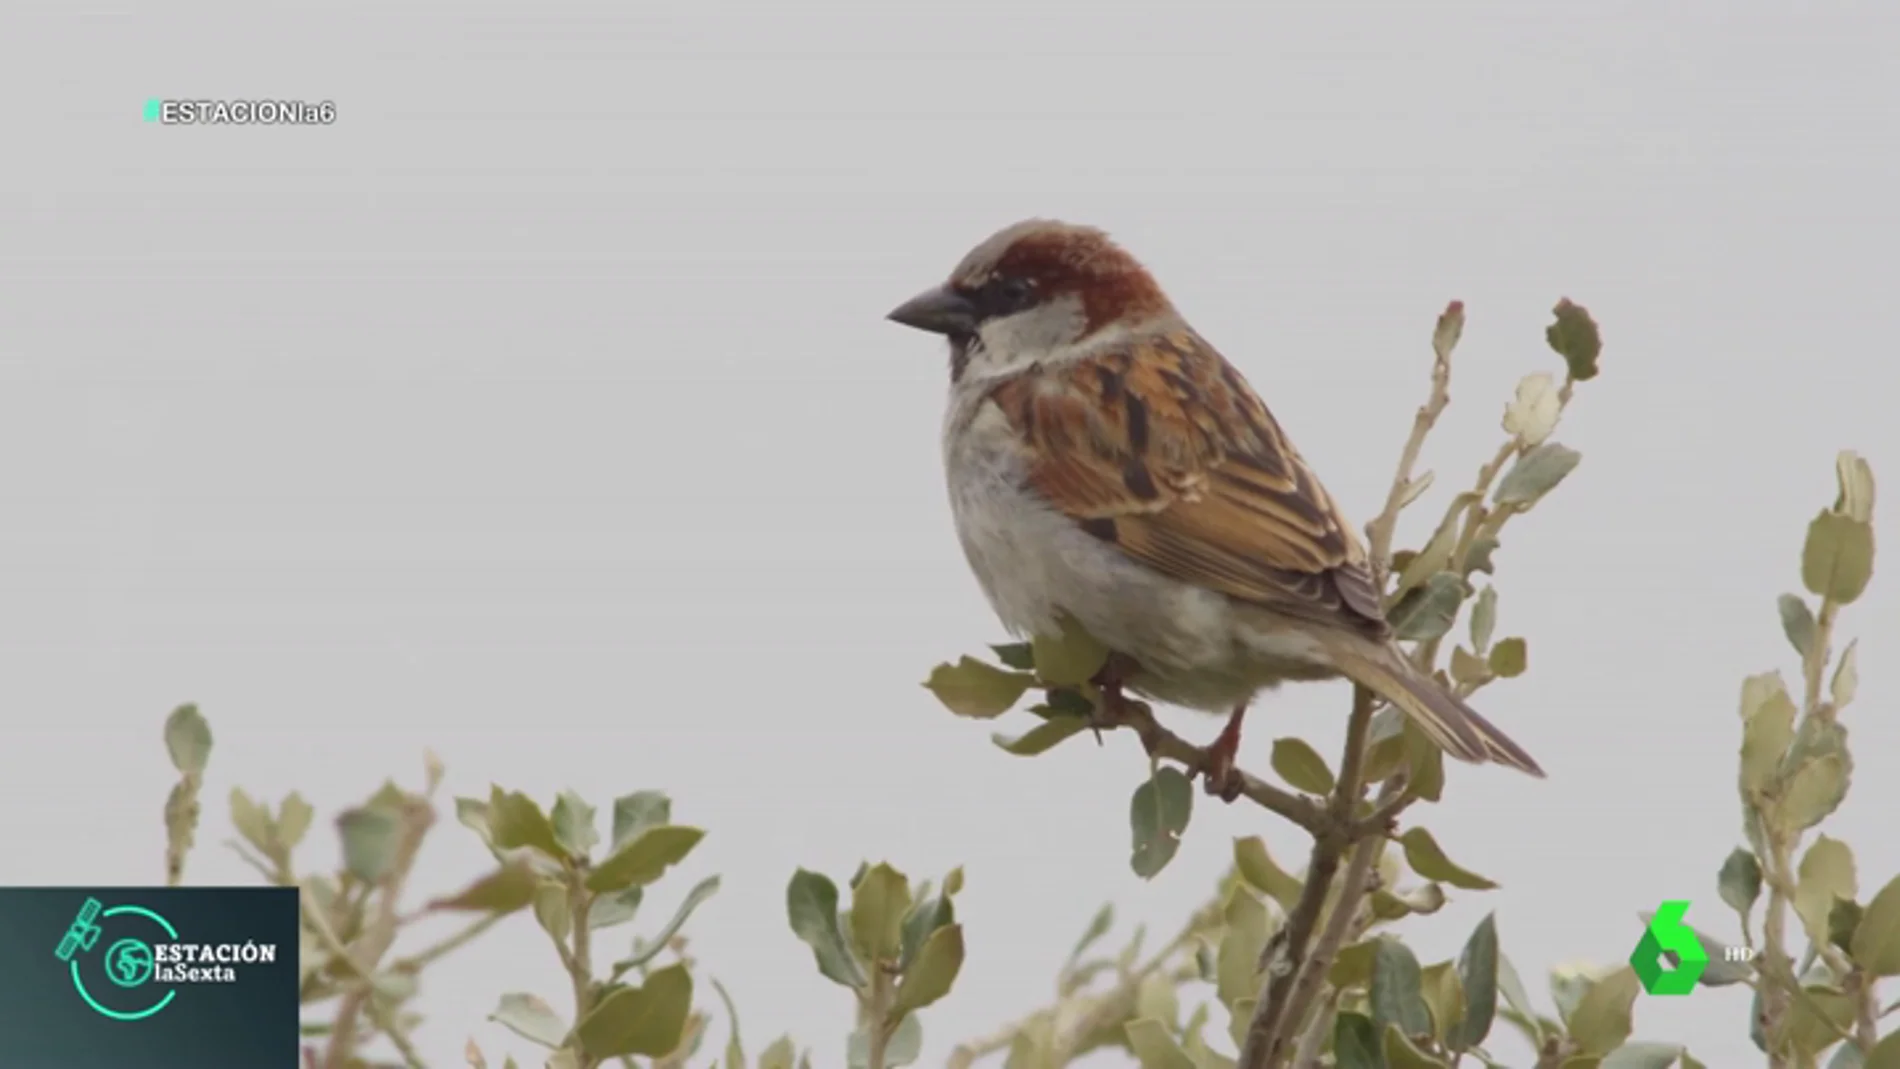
<point x="129" y="962"/>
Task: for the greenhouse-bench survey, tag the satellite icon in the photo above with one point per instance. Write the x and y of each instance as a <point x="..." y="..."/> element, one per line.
<point x="83" y="933"/>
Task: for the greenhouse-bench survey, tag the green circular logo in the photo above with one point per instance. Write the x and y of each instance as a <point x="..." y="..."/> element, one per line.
<point x="129" y="962"/>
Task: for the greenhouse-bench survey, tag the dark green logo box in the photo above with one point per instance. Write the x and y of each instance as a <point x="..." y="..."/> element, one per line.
<point x="148" y="977"/>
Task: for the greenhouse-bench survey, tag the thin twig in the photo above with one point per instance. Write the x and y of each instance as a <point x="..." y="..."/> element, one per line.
<point x="1166" y="745"/>
<point x="416" y="818"/>
<point x="1379" y="532"/>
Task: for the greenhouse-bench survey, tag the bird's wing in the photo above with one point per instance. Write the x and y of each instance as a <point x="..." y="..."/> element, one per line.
<point x="1162" y="450"/>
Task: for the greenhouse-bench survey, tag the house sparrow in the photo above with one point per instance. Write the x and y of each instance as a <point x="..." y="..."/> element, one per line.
<point x="1107" y="465"/>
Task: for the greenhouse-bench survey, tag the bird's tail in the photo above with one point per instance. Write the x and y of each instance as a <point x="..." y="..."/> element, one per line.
<point x="1454" y="726"/>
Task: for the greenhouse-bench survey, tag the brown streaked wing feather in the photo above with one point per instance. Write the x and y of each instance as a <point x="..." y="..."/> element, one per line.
<point x="1164" y="451"/>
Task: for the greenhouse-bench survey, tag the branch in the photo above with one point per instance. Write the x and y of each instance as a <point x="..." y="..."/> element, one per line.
<point x="1166" y="745"/>
<point x="1294" y="960"/>
<point x="1090" y="1013"/>
<point x="416" y="817"/>
<point x="1379" y="531"/>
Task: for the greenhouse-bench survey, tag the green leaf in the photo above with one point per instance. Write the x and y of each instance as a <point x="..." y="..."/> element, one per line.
<point x="1601" y="1021"/>
<point x="648" y="949"/>
<point x="1098" y="927"/>
<point x="515" y="821"/>
<point x="1436" y="555"/>
<point x="878" y="905"/>
<point x="974" y="689"/>
<point x="614" y="909"/>
<point x="253" y="822"/>
<point x="1575" y="337"/>
<point x="1536" y="473"/>
<point x="1429" y="611"/>
<point x="1838" y="558"/>
<point x="1257" y="867"/>
<point x="645" y="858"/>
<point x="1401" y="1054"/>
<point x="930" y="977"/>
<point x="1843" y="921"/>
<point x="1352" y="966"/>
<point x="735" y="1050"/>
<point x="1478" y="973"/>
<point x="1512" y="988"/>
<point x="508" y="888"/>
<point x="1423" y="854"/>
<point x="1450" y="327"/>
<point x="1768" y="727"/>
<point x="1847" y="1056"/>
<point x="1826" y="873"/>
<point x="1689" y="1062"/>
<point x="1154" y="1048"/>
<point x="1846" y="681"/>
<point x="1478" y="557"/>
<point x="1018" y="655"/>
<point x="574" y="824"/>
<point x="554" y="910"/>
<point x="636" y="812"/>
<point x="1484" y="619"/>
<point x="1814" y="792"/>
<point x="1534" y="409"/>
<point x="1424" y="899"/>
<point x="1158" y="816"/>
<point x="1071" y="658"/>
<point x="811" y="903"/>
<point x="1356" y="1042"/>
<point x="1642" y="1056"/>
<point x="1301" y="766"/>
<point x="370" y="839"/>
<point x="473" y="814"/>
<point x="1886" y="1053"/>
<point x="1444" y="995"/>
<point x="649" y="1019"/>
<point x="1876" y="944"/>
<point x="188" y="740"/>
<point x="1237" y="964"/>
<point x="1041" y="738"/>
<point x="926" y="916"/>
<point x="1510" y="658"/>
<point x="779" y="1055"/>
<point x="906" y="1042"/>
<point x="1468" y="667"/>
<point x="1797" y="622"/>
<point x="530" y="1018"/>
<point x="1740" y="880"/>
<point x="294" y="816"/>
<point x="1395" y="998"/>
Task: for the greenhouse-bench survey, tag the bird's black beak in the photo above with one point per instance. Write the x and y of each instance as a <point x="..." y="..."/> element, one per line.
<point x="939" y="311"/>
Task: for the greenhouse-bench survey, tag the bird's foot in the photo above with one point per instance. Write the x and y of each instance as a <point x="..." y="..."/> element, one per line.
<point x="1219" y="777"/>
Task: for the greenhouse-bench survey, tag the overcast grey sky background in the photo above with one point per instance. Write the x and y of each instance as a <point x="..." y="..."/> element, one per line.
<point x="541" y="411"/>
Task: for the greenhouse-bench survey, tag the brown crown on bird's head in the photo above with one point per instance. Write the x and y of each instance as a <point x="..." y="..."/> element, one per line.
<point x="1040" y="263"/>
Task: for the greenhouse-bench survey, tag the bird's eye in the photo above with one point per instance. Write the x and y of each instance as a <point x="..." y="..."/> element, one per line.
<point x="1009" y="295"/>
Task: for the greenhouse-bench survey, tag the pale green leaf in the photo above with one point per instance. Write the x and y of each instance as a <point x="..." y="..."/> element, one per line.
<point x="1301" y="766"/>
<point x="1797" y="622"/>
<point x="573" y="821"/>
<point x="1425" y="857"/>
<point x="1070" y="658"/>
<point x="647" y="1020"/>
<point x="188" y="740"/>
<point x="1154" y="1047"/>
<point x="648" y="949"/>
<point x="935" y="969"/>
<point x="1601" y="1021"/>
<point x="645" y="858"/>
<point x="974" y="689"/>
<point x="530" y="1018"/>
<point x="1257" y="867"/>
<point x="878" y="904"/>
<point x="1536" y="473"/>
<point x="1876" y="943"/>
<point x="1838" y="558"/>
<point x="1826" y="873"/>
